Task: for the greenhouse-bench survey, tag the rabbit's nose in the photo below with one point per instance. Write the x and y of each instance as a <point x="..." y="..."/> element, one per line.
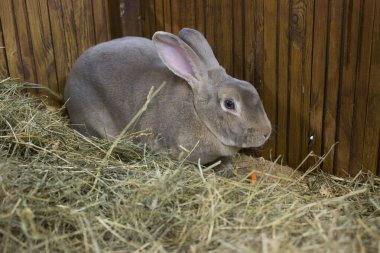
<point x="267" y="132"/>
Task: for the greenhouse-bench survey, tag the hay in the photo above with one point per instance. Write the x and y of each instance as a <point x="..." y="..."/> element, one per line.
<point x="61" y="192"/>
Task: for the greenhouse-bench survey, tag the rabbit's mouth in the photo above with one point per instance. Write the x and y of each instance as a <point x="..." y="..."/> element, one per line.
<point x="255" y="142"/>
<point x="254" y="138"/>
<point x="248" y="138"/>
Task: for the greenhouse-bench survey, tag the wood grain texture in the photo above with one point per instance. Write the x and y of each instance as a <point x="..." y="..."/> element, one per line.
<point x="249" y="42"/>
<point x="167" y="15"/>
<point x="148" y="18"/>
<point x="350" y="48"/>
<point x="159" y="8"/>
<point x="3" y="58"/>
<point x="361" y="88"/>
<point x="69" y="27"/>
<point x="130" y="14"/>
<point x="101" y="21"/>
<point x="297" y="43"/>
<point x="259" y="44"/>
<point x="218" y="31"/>
<point x="282" y="93"/>
<point x="318" y="75"/>
<point x="84" y="24"/>
<point x="332" y="81"/>
<point x="113" y="11"/>
<point x="11" y="40"/>
<point x="59" y="45"/>
<point x="38" y="15"/>
<point x="372" y="128"/>
<point x="43" y="38"/>
<point x="181" y="18"/>
<point x="224" y="34"/>
<point x="210" y="24"/>
<point x="199" y="12"/>
<point x="238" y="39"/>
<point x="25" y="42"/>
<point x="270" y="70"/>
<point x="307" y="80"/>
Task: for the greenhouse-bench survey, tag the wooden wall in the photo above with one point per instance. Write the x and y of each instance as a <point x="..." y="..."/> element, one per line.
<point x="41" y="39"/>
<point x="314" y="62"/>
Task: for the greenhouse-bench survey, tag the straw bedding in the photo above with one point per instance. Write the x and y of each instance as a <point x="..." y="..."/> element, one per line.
<point x="62" y="192"/>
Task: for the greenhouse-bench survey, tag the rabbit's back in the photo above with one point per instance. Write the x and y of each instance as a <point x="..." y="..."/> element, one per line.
<point x="113" y="64"/>
<point x="110" y="82"/>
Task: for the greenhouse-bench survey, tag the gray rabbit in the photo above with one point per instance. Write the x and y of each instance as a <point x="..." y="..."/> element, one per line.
<point x="200" y="109"/>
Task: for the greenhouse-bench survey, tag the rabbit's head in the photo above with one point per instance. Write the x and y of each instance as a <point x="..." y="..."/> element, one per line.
<point x="230" y="108"/>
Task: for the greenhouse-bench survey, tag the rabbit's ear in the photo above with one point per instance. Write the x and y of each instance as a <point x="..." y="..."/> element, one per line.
<point x="199" y="44"/>
<point x="178" y="57"/>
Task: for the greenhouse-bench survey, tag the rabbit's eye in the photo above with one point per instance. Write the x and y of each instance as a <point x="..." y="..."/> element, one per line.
<point x="229" y="104"/>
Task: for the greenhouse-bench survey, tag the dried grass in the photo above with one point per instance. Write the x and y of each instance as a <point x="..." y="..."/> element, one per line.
<point x="62" y="192"/>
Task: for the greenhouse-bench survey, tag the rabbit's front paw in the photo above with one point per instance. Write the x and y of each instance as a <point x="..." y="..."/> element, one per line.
<point x="225" y="168"/>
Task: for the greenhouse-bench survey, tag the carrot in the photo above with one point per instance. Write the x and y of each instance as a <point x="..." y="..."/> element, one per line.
<point x="253" y="178"/>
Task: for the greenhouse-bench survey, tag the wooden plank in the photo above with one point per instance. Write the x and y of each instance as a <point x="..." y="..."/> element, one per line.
<point x="318" y="75"/>
<point x="177" y="15"/>
<point x="148" y="18"/>
<point x="113" y="15"/>
<point x="3" y="58"/>
<point x="306" y="83"/>
<point x="130" y="15"/>
<point x="144" y="22"/>
<point x="282" y="94"/>
<point x="215" y="36"/>
<point x="59" y="45"/>
<point x="42" y="43"/>
<point x="251" y="54"/>
<point x="238" y="39"/>
<point x="223" y="33"/>
<point x="101" y="20"/>
<point x="249" y="41"/>
<point x="332" y="84"/>
<point x="300" y="14"/>
<point x="159" y="14"/>
<point x="352" y="17"/>
<point x="199" y="16"/>
<point x="84" y="24"/>
<point x="182" y="15"/>
<point x="11" y="39"/>
<point x="69" y="28"/>
<point x="270" y="70"/>
<point x="167" y="16"/>
<point x="372" y="127"/>
<point x="378" y="156"/>
<point x="259" y="45"/>
<point x="361" y="89"/>
<point x="210" y="23"/>
<point x="152" y="17"/>
<point x="25" y="42"/>
<point x="257" y="75"/>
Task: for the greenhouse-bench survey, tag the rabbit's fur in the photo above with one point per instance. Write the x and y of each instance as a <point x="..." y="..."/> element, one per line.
<point x="109" y="83"/>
